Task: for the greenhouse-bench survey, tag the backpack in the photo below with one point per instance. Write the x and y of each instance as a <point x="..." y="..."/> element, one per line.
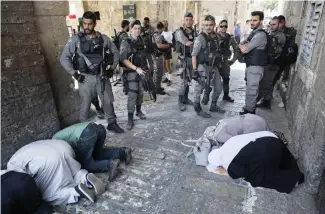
<point x="290" y="49"/>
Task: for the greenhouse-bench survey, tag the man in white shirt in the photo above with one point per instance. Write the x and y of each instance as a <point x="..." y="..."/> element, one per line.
<point x="168" y="35"/>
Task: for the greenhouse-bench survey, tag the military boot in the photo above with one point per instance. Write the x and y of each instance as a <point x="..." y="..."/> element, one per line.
<point x="206" y="96"/>
<point x="181" y="104"/>
<point x="245" y="111"/>
<point x="140" y="113"/>
<point x="226" y="97"/>
<point x="198" y="110"/>
<point x="215" y="108"/>
<point x="115" y="128"/>
<point x="130" y="121"/>
<point x="187" y="101"/>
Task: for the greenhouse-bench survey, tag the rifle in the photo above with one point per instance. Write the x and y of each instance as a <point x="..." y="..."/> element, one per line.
<point x="207" y="88"/>
<point x="148" y="84"/>
<point x="195" y="32"/>
<point x="102" y="74"/>
<point x="186" y="73"/>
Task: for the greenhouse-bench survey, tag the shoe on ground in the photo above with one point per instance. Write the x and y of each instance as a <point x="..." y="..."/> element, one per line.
<point x="203" y="114"/>
<point x="84" y="192"/>
<point x="113" y="165"/>
<point x="114" y="127"/>
<point x="96" y="183"/>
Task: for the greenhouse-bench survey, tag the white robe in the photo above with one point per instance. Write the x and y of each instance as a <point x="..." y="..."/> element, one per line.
<point x="51" y="163"/>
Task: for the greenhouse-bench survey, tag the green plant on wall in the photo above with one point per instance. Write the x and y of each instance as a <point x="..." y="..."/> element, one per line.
<point x="270" y="4"/>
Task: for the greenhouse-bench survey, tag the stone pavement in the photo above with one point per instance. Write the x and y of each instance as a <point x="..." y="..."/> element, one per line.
<point x="162" y="180"/>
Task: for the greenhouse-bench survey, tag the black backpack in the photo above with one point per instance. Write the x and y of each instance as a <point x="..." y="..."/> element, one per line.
<point x="290" y="50"/>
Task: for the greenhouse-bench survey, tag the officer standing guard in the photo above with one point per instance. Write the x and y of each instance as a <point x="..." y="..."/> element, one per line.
<point x="134" y="58"/>
<point x="184" y="37"/>
<point x="256" y="58"/>
<point x="89" y="52"/>
<point x="160" y="47"/>
<point x="278" y="40"/>
<point x="206" y="57"/>
<point x="226" y="40"/>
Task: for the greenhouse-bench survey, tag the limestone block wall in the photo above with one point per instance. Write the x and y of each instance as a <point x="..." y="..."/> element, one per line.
<point x="306" y="102"/>
<point x="28" y="109"/>
<point x="50" y="18"/>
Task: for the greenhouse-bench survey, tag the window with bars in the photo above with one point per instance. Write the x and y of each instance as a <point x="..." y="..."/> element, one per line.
<point x="311" y="29"/>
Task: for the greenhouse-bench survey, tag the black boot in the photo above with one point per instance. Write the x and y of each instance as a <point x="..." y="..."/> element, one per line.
<point x="264" y="104"/>
<point x="206" y="96"/>
<point x="126" y="155"/>
<point x="113" y="165"/>
<point x="215" y="108"/>
<point x="161" y="91"/>
<point x="187" y="101"/>
<point x="130" y="121"/>
<point x="198" y="109"/>
<point x="244" y="111"/>
<point x="139" y="113"/>
<point x="115" y="128"/>
<point x="226" y="97"/>
<point x="181" y="104"/>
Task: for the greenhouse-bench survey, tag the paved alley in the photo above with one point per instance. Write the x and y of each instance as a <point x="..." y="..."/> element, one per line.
<point x="161" y="179"/>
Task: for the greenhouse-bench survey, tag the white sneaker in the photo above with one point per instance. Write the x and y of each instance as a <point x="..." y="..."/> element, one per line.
<point x="281" y="105"/>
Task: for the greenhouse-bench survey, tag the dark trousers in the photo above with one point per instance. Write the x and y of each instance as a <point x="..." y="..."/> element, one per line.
<point x="19" y="194"/>
<point x="90" y="149"/>
<point x="237" y="38"/>
<point x="266" y="162"/>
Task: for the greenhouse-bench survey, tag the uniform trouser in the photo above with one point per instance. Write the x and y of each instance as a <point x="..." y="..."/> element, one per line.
<point x="225" y="74"/>
<point x="89" y="90"/>
<point x="135" y="91"/>
<point x="184" y="81"/>
<point x="90" y="152"/>
<point x="199" y="85"/>
<point x="285" y="69"/>
<point x="253" y="75"/>
<point x="266" y="85"/>
<point x="158" y="70"/>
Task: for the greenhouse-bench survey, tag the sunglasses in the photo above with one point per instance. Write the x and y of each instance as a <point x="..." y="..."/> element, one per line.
<point x="223" y="26"/>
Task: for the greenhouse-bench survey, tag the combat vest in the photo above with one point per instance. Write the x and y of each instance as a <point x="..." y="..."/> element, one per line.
<point x="275" y="49"/>
<point x="180" y="46"/>
<point x="137" y="54"/>
<point x="211" y="50"/>
<point x="93" y="50"/>
<point x="225" y="45"/>
<point x="290" y="49"/>
<point x="257" y="57"/>
<point x="159" y="51"/>
<point x="147" y="39"/>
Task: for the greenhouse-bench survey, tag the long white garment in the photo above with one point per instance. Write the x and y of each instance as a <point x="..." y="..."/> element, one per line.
<point x="51" y="163"/>
<point x="168" y="35"/>
<point x="228" y="151"/>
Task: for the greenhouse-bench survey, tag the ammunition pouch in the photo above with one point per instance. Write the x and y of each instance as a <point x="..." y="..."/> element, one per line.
<point x="109" y="59"/>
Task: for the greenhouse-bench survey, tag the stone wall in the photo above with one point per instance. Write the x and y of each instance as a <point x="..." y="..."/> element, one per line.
<point x="28" y="110"/>
<point x="173" y="11"/>
<point x="306" y="102"/>
<point x="50" y="17"/>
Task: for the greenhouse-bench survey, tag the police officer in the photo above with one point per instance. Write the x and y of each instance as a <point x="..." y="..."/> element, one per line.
<point x="226" y="40"/>
<point x="161" y="46"/>
<point x="290" y="50"/>
<point x="123" y="34"/>
<point x="133" y="56"/>
<point x="87" y="49"/>
<point x="184" y="37"/>
<point x="256" y="58"/>
<point x="206" y="51"/>
<point x="278" y="40"/>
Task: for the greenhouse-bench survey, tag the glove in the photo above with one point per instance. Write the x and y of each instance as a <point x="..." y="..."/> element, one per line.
<point x="230" y="62"/>
<point x="196" y="75"/>
<point x="109" y="73"/>
<point x="79" y="77"/>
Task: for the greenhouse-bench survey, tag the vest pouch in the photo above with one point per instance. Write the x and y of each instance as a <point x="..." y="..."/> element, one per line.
<point x="96" y="62"/>
<point x="109" y="59"/>
<point x="178" y="48"/>
<point x="137" y="61"/>
<point x="75" y="63"/>
<point x="201" y="152"/>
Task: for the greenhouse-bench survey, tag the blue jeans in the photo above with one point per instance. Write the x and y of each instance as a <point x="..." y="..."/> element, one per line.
<point x="90" y="149"/>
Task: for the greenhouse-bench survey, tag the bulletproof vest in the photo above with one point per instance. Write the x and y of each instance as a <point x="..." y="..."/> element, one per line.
<point x="180" y="46"/>
<point x="147" y="37"/>
<point x="93" y="50"/>
<point x="290" y="49"/>
<point x="137" y="53"/>
<point x="159" y="51"/>
<point x="276" y="48"/>
<point x="225" y="45"/>
<point x="257" y="57"/>
<point x="211" y="50"/>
